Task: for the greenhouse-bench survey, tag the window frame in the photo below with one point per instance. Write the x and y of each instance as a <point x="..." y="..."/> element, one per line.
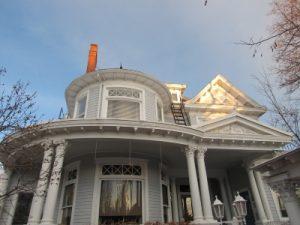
<point x="165" y="182"/>
<point x="106" y="98"/>
<point x="159" y="103"/>
<point x="178" y="95"/>
<point x="65" y="183"/>
<point x="85" y="94"/>
<point x="17" y="198"/>
<point x="99" y="178"/>
<point x="276" y="196"/>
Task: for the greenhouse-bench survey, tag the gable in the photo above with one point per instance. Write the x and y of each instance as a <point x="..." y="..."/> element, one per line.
<point x="237" y="128"/>
<point x="221" y="93"/>
<point x="236" y="124"/>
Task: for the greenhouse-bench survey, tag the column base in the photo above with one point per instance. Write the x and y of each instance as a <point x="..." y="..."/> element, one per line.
<point x="33" y="222"/>
<point x="264" y="222"/>
<point x="205" y="222"/>
<point x="48" y="223"/>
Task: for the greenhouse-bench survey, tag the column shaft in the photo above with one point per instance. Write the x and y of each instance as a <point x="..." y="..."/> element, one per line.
<point x="51" y="199"/>
<point x="258" y="203"/>
<point x="174" y="201"/>
<point x="4" y="181"/>
<point x="204" y="189"/>
<point x="42" y="185"/>
<point x="263" y="195"/>
<point x="194" y="187"/>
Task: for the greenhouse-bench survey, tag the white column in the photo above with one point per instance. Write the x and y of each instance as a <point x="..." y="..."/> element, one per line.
<point x="226" y="202"/>
<point x="263" y="195"/>
<point x="194" y="187"/>
<point x="52" y="193"/>
<point x="287" y="192"/>
<point x="42" y="185"/>
<point x="204" y="189"/>
<point x="258" y="203"/>
<point x="174" y="201"/>
<point x="4" y="181"/>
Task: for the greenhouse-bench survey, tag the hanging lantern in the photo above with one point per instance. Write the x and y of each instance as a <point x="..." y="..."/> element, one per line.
<point x="218" y="208"/>
<point x="240" y="207"/>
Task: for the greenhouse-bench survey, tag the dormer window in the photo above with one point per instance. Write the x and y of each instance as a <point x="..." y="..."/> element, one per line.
<point x="124" y="103"/>
<point x="81" y="106"/>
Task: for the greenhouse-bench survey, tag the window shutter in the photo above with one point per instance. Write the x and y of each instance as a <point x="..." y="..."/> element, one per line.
<point x="123" y="109"/>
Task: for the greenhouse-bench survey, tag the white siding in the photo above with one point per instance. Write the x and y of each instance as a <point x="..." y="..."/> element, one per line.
<point x="84" y="194"/>
<point x="93" y="102"/>
<point x="155" y="201"/>
<point x="271" y="202"/>
<point x="150" y="106"/>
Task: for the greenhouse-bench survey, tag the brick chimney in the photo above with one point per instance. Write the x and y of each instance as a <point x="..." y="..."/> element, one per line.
<point x="92" y="60"/>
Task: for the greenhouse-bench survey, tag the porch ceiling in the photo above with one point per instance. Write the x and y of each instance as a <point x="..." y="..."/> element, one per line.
<point x="171" y="155"/>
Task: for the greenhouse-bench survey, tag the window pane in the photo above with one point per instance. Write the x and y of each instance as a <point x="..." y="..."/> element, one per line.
<point x="159" y="112"/>
<point x="68" y="195"/>
<point x="72" y="175"/>
<point x="23" y="208"/>
<point x="81" y="107"/>
<point x="121" y="198"/>
<point x="174" y="98"/>
<point x="123" y="109"/>
<point x="66" y="216"/>
<point x="165" y="194"/>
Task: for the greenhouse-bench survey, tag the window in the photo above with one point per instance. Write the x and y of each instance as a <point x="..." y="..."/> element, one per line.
<point x="159" y="112"/>
<point x="174" y="97"/>
<point x="121" y="194"/>
<point x="165" y="197"/>
<point x="125" y="92"/>
<point x="124" y="103"/>
<point x="121" y="170"/>
<point x="120" y="202"/>
<point x="123" y="109"/>
<point x="165" y="202"/>
<point x="23" y="208"/>
<point x="81" y="107"/>
<point x="281" y="205"/>
<point x="68" y="196"/>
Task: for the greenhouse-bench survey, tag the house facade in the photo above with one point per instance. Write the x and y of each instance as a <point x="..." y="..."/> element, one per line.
<point x="134" y="150"/>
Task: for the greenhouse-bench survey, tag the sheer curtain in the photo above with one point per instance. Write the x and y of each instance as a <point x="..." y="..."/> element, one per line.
<point x="121" y="198"/>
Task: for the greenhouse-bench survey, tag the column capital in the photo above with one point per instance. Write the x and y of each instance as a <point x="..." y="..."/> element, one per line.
<point x="201" y="151"/>
<point x="188" y="150"/>
<point x="47" y="144"/>
<point x="60" y="142"/>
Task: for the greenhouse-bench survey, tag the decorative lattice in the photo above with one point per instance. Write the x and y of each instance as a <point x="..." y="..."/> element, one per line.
<point x="121" y="170"/>
<point x="127" y="92"/>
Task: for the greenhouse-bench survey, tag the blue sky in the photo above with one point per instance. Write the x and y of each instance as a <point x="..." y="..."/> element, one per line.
<point x="46" y="42"/>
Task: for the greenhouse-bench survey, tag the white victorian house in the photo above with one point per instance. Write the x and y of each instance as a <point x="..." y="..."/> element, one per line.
<point x="134" y="149"/>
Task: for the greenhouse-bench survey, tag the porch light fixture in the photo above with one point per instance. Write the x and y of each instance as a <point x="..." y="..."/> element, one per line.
<point x="240" y="207"/>
<point x="218" y="208"/>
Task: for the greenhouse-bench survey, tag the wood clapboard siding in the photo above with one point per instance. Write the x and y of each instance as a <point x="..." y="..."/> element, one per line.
<point x="150" y="106"/>
<point x="84" y="194"/>
<point x="155" y="201"/>
<point x="93" y="101"/>
<point x="271" y="202"/>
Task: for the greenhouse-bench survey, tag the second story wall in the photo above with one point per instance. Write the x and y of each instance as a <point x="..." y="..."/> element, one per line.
<point x="120" y="100"/>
